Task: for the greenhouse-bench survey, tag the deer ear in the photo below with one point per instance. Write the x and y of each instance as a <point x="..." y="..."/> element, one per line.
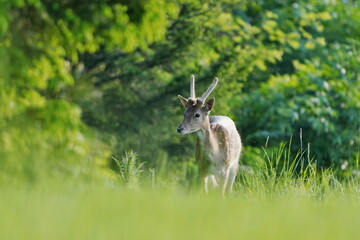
<point x="209" y="104"/>
<point x="183" y="100"/>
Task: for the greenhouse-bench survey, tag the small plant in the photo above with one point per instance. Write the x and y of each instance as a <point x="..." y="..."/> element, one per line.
<point x="129" y="169"/>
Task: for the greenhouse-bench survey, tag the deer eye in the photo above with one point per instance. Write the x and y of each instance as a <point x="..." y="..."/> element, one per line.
<point x="197" y="115"/>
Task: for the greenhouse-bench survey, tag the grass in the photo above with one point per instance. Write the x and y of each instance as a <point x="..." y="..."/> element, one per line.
<point x="115" y="213"/>
<point x="284" y="197"/>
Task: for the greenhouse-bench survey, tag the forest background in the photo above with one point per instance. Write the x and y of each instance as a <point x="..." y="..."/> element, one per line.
<point x="84" y="83"/>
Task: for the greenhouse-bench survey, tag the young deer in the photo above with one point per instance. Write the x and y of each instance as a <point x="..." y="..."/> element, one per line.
<point x="218" y="145"/>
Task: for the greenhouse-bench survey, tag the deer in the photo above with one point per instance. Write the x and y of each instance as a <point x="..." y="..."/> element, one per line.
<point x="218" y="145"/>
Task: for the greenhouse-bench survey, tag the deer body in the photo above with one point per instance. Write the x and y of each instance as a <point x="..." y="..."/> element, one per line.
<point x="218" y="145"/>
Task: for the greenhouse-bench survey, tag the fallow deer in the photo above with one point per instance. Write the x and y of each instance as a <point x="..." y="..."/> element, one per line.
<point x="218" y="145"/>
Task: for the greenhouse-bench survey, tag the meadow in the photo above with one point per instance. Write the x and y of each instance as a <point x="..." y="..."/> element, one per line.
<point x="274" y="202"/>
<point x="113" y="213"/>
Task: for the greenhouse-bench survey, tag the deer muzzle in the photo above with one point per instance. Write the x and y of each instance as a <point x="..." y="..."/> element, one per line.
<point x="179" y="129"/>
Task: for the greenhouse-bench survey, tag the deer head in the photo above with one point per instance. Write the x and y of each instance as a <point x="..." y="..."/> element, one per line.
<point x="197" y="110"/>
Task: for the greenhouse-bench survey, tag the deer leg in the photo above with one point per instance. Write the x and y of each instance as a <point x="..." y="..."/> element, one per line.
<point x="206" y="180"/>
<point x="214" y="182"/>
<point x="224" y="176"/>
<point x="232" y="175"/>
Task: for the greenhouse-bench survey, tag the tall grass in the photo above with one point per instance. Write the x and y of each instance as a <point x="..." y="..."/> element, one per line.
<point x="280" y="173"/>
<point x="129" y="169"/>
<point x="284" y="196"/>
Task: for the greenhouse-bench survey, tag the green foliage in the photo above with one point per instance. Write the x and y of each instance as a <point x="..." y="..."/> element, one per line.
<point x="81" y="82"/>
<point x="41" y="129"/>
<point x="318" y="93"/>
<point x="282" y="67"/>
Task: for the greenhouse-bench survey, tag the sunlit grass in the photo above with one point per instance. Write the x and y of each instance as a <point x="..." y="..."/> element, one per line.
<point x="117" y="213"/>
<point x="284" y="197"/>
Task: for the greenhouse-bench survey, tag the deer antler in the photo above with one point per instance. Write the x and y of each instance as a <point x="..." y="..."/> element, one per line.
<point x="210" y="89"/>
<point x="192" y="87"/>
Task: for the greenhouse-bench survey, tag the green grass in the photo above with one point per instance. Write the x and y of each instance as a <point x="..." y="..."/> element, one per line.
<point x="284" y="197"/>
<point x="117" y="213"/>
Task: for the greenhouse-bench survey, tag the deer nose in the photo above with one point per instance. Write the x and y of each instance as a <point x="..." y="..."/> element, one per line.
<point x="179" y="129"/>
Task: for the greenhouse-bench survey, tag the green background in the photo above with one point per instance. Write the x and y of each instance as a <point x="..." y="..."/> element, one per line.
<point x="83" y="82"/>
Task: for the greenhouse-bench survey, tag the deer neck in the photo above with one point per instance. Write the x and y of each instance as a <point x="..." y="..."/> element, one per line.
<point x="207" y="135"/>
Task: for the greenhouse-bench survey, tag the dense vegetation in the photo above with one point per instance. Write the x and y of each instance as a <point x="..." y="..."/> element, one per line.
<point x="81" y="84"/>
<point x="89" y="110"/>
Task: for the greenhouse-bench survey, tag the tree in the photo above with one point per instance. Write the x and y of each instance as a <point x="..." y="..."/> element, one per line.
<point x="80" y="82"/>
<point x="41" y="130"/>
<point x="280" y="67"/>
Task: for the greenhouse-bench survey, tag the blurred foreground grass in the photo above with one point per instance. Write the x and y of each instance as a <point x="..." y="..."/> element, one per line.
<point x="119" y="213"/>
<point x="283" y="196"/>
